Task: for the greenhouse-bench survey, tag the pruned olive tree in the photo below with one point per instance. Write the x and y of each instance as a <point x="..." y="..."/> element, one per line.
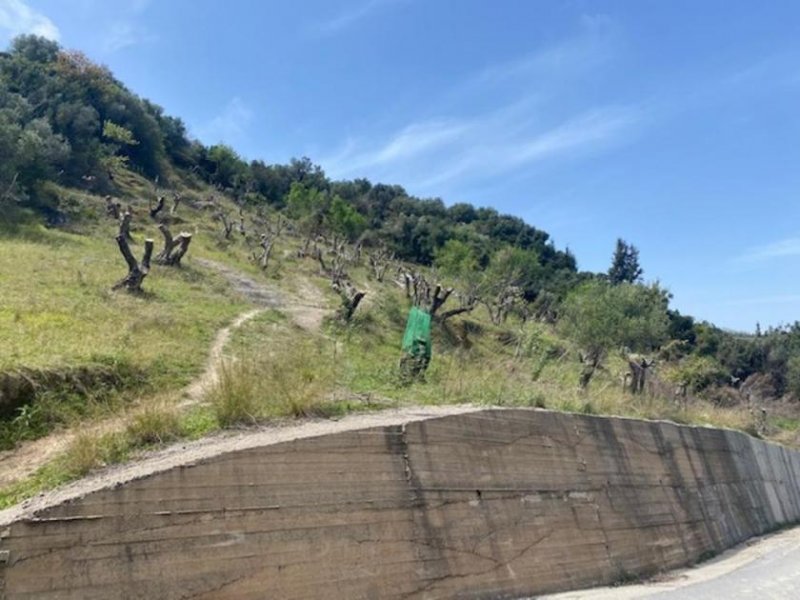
<point x="174" y="247"/>
<point x="137" y="271"/>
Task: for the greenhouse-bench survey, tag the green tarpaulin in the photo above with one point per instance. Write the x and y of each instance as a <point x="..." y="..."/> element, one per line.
<point x="417" y="338"/>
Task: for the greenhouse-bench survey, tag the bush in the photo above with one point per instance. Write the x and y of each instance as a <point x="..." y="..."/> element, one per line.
<point x="234" y="395"/>
<point x="700" y="372"/>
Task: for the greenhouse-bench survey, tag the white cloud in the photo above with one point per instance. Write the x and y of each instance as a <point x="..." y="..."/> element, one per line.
<point x="17" y="18"/>
<point x="350" y="16"/>
<point x="229" y="125"/>
<point x="495" y="150"/>
<point x="408" y="143"/>
<point x="594" y="44"/>
<point x="439" y="151"/>
<point x="778" y="249"/>
<point x="125" y="34"/>
<point x="525" y="122"/>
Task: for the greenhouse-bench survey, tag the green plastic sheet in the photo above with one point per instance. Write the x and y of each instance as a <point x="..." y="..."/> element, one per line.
<point x="417" y="338"/>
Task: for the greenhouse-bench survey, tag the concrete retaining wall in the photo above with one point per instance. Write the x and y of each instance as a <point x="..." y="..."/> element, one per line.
<point x="489" y="504"/>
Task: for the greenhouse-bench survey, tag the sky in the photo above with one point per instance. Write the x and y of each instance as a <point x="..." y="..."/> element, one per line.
<point x="673" y="125"/>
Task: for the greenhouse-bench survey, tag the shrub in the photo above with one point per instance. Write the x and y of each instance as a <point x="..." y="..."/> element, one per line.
<point x="700" y="372"/>
<point x="234" y="394"/>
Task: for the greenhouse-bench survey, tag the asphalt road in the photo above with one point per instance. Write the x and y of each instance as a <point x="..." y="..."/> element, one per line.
<point x="767" y="568"/>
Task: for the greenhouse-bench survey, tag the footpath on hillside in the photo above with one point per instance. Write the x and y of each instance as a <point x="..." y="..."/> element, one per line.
<point x="307" y="313"/>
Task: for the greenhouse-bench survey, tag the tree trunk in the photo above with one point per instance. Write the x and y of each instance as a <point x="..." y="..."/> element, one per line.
<point x="136" y="271"/>
<point x="379" y="261"/>
<point x="638" y="370"/>
<point x="176" y="201"/>
<point x="227" y="226"/>
<point x="350" y="296"/>
<point x="430" y="299"/>
<point x="590" y="364"/>
<point x="113" y="208"/>
<point x="502" y="304"/>
<point x="125" y="225"/>
<point x="266" y="245"/>
<point x="174" y="248"/>
<point x="157" y="208"/>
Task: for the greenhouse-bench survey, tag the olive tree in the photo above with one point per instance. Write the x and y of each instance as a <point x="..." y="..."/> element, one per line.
<point x="599" y="317"/>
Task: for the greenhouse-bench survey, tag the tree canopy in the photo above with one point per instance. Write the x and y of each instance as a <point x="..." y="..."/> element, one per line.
<point x="625" y="266"/>
<point x="601" y="317"/>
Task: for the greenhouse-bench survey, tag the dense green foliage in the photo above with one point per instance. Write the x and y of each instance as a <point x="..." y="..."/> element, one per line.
<point x="601" y="317"/>
<point x="67" y="120"/>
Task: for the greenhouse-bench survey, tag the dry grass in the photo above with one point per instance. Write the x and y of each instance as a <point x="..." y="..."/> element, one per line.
<point x="294" y="379"/>
<point x="89" y="451"/>
<point x="154" y="423"/>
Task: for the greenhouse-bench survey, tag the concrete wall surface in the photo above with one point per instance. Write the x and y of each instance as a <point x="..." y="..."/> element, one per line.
<point x="487" y="504"/>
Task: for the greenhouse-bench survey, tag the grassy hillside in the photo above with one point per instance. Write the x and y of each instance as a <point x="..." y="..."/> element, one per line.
<point x="61" y="313"/>
<point x="90" y="376"/>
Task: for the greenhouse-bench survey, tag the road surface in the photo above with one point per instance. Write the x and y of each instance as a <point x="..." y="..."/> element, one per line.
<point x="767" y="568"/>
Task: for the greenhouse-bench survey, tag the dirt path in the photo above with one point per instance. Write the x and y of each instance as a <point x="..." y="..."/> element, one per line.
<point x="192" y="452"/>
<point x="195" y="390"/>
<point x="24" y="460"/>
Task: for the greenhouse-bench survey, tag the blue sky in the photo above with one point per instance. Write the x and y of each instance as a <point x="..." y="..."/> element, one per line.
<point x="675" y="125"/>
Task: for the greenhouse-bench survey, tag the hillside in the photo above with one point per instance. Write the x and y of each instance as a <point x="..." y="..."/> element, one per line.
<point x="293" y="296"/>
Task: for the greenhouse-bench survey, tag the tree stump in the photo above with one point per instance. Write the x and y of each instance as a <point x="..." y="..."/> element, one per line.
<point x="379" y="261"/>
<point x="174" y="248"/>
<point x="351" y="297"/>
<point x="136" y="271"/>
<point x="638" y="366"/>
<point x="176" y="202"/>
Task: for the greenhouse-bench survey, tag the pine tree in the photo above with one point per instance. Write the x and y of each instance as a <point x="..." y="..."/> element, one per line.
<point x="625" y="264"/>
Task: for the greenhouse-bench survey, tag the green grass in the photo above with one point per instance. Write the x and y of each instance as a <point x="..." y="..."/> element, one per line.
<point x="58" y="309"/>
<point x="60" y="317"/>
<point x="58" y="314"/>
<point x="152" y="426"/>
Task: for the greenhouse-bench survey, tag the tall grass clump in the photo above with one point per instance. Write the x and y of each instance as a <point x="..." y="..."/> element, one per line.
<point x="295" y="380"/>
<point x="234" y="395"/>
<point x="154" y="424"/>
<point x="89" y="451"/>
